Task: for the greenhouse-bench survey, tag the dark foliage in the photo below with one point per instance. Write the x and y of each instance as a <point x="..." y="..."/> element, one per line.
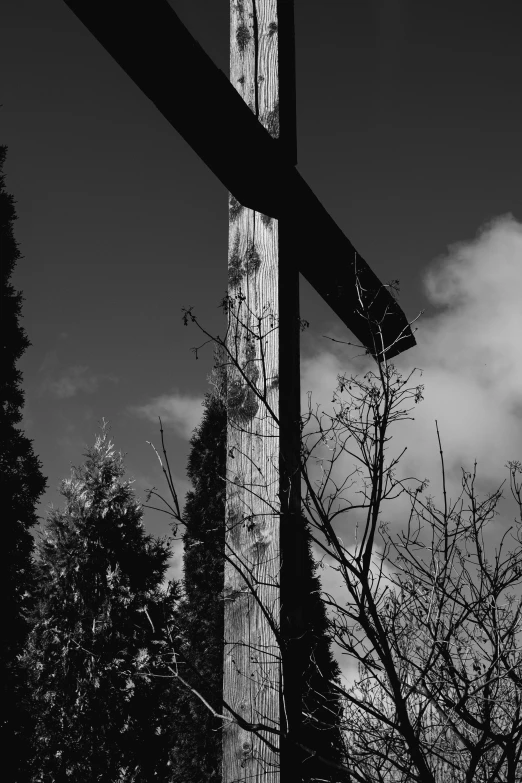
<point x="98" y="633"/>
<point x="198" y="746"/>
<point x="321" y="705"/>
<point x="22" y="486"/>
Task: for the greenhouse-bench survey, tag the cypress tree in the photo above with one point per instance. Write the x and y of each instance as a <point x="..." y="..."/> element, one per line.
<point x="321" y="704"/>
<point x="198" y="749"/>
<point x="22" y="486"/>
<point x="101" y="615"/>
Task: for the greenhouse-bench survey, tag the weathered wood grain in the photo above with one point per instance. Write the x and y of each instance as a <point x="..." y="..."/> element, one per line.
<point x="251" y="657"/>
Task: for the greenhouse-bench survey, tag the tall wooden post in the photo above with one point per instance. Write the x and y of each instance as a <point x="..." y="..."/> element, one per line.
<point x="262" y="440"/>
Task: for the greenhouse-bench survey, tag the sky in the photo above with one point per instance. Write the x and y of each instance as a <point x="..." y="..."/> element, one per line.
<point x="409" y="125"/>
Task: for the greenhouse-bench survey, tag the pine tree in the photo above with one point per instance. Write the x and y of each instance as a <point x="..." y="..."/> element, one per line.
<point x="22" y="486"/>
<point x="100" y="615"/>
<point x="198" y="749"/>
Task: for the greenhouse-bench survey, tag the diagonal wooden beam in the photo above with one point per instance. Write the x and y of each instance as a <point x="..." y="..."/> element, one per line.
<point x="152" y="45"/>
<point x="163" y="59"/>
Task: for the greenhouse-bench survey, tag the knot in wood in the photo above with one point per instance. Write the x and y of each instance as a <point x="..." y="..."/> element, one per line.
<point x="241" y="265"/>
<point x="234" y="209"/>
<point x="242" y="402"/>
<point x="242" y="37"/>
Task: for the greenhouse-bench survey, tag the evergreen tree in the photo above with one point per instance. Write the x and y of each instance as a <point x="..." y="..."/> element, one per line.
<point x="198" y="748"/>
<point x="321" y="704"/>
<point x="22" y="486"/>
<point x="100" y="616"/>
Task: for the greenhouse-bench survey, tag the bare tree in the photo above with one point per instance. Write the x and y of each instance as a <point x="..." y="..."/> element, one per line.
<point x="429" y="616"/>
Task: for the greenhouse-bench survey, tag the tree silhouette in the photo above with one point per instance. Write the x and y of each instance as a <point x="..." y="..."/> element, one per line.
<point x="198" y="743"/>
<point x="101" y="615"/>
<point x="22" y="486"/>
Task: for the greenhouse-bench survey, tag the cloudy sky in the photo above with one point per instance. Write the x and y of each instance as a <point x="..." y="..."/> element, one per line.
<point x="409" y="128"/>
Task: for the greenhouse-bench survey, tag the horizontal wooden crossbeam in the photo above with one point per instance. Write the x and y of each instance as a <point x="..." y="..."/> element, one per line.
<point x="156" y="50"/>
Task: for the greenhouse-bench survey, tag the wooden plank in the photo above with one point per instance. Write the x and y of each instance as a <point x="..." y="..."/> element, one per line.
<point x="262" y="680"/>
<point x="164" y="60"/>
<point x="291" y="532"/>
<point x="331" y="264"/>
<point x="252" y="661"/>
<point x="156" y="50"/>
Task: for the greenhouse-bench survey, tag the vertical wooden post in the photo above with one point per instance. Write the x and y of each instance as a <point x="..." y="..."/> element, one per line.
<point x="292" y="541"/>
<point x="262" y="442"/>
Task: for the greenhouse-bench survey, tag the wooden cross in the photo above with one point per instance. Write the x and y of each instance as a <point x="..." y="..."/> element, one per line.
<point x="244" y="129"/>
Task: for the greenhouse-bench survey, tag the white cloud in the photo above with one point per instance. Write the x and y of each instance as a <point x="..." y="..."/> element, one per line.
<point x="182" y="412"/>
<point x="469" y="352"/>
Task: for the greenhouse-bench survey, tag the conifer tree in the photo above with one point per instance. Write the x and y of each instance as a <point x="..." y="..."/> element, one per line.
<point x="321" y="705"/>
<point x="100" y="615"/>
<point x="22" y="486"/>
<point x="198" y="748"/>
